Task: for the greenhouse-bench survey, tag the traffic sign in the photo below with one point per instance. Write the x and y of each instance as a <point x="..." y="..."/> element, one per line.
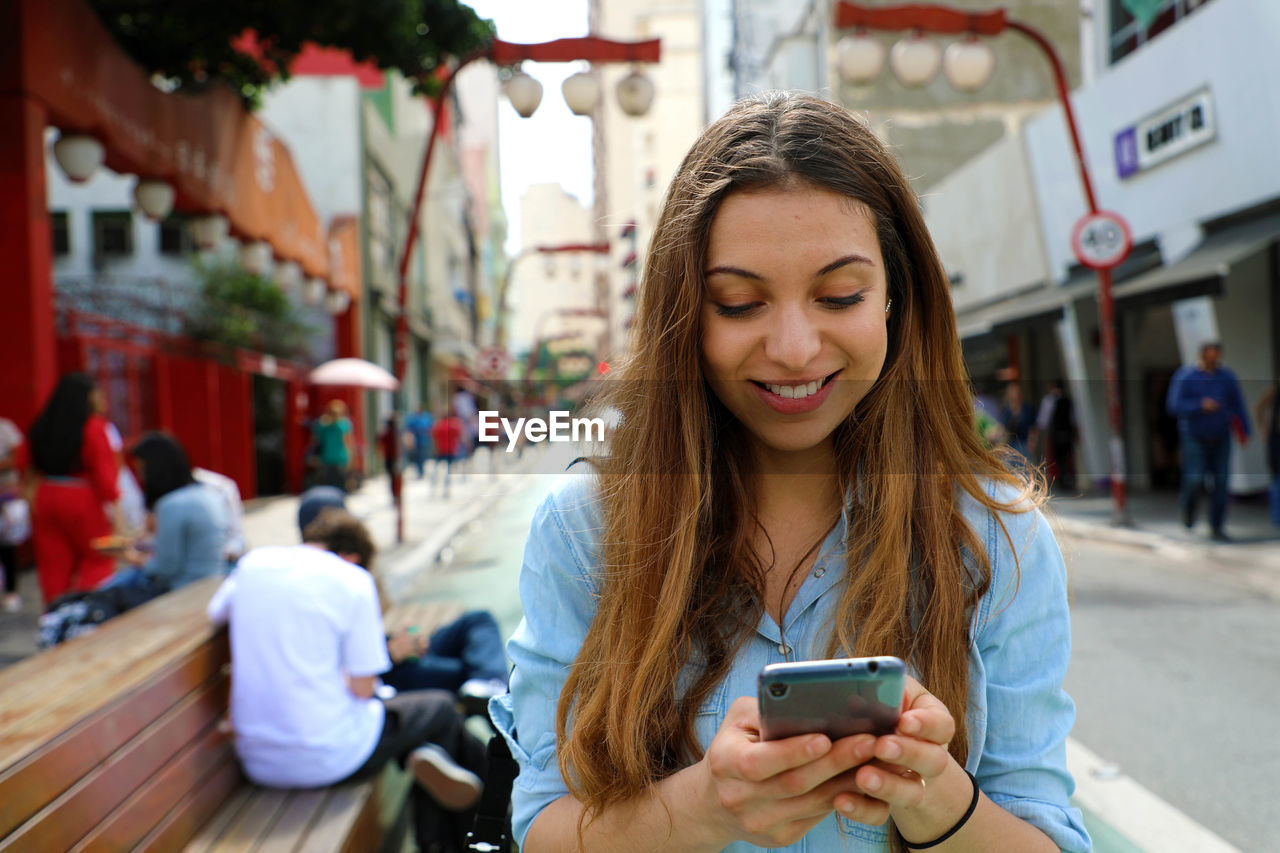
<point x="1101" y="240"/>
<point x="493" y="362"/>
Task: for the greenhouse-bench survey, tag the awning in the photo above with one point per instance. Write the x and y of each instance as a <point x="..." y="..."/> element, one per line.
<point x="1204" y="271"/>
<point x="1035" y="306"/>
<point x="217" y="156"/>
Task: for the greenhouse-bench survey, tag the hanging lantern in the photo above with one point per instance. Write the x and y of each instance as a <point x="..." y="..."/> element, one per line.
<point x="915" y="60"/>
<point x="154" y="198"/>
<point x="79" y="155"/>
<point x="288" y="275"/>
<point x="255" y="257"/>
<point x="209" y="231"/>
<point x="581" y="92"/>
<point x="337" y="302"/>
<point x="523" y="92"/>
<point x="968" y="64"/>
<point x="313" y="291"/>
<point x="635" y="93"/>
<point x="860" y="58"/>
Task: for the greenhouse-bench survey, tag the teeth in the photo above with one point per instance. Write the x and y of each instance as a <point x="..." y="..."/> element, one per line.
<point x="795" y="392"/>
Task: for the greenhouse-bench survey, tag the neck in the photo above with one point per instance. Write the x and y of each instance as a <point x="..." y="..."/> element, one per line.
<point x="803" y="482"/>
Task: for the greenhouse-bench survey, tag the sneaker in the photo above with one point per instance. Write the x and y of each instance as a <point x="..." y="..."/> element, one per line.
<point x="452" y="786"/>
<point x="1188" y="517"/>
<point x="1219" y="536"/>
<point x="12" y="602"/>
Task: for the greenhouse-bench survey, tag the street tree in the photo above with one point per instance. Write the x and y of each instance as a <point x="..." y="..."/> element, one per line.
<point x="194" y="44"/>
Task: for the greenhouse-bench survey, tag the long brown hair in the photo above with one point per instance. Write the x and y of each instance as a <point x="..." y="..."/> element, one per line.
<point x="680" y="586"/>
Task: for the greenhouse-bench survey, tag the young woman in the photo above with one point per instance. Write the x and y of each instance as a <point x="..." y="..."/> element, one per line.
<point x="795" y="476"/>
<point x="76" y="469"/>
<point x="190" y="521"/>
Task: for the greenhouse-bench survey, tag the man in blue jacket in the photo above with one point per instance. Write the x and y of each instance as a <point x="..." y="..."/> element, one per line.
<point x="1205" y="397"/>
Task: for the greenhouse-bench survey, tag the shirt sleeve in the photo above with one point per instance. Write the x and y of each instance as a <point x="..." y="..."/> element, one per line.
<point x="364" y="646"/>
<point x="170" y="555"/>
<point x="99" y="461"/>
<point x="1025" y="645"/>
<point x="1179" y="402"/>
<point x="558" y="596"/>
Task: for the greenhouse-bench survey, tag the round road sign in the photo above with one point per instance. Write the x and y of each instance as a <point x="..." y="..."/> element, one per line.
<point x="1101" y="240"/>
<point x="493" y="362"/>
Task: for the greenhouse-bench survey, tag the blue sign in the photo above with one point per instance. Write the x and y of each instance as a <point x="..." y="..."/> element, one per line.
<point x="1126" y="148"/>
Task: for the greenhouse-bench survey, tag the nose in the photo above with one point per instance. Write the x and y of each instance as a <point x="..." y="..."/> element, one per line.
<point x="793" y="339"/>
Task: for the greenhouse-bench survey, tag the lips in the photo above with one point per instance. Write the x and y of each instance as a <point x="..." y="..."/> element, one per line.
<point x="794" y="398"/>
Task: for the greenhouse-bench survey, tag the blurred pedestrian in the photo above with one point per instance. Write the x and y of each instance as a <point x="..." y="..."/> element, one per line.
<point x="390" y="445"/>
<point x="189" y="521"/>
<point x="1206" y="399"/>
<point x="77" y="488"/>
<point x="15" y="518"/>
<point x="1056" y="431"/>
<point x="796" y="475"/>
<point x="334" y="445"/>
<point x="133" y="509"/>
<point x="985" y="423"/>
<point x="1017" y="417"/>
<point x="419" y="426"/>
<point x="449" y="437"/>
<point x="307" y="645"/>
<point x="1268" y="415"/>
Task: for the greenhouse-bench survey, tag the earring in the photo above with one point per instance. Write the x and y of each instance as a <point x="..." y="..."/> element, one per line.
<point x="887" y="306"/>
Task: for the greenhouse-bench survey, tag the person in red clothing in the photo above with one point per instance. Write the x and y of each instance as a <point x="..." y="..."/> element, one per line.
<point x="77" y="470"/>
<point x="447" y="434"/>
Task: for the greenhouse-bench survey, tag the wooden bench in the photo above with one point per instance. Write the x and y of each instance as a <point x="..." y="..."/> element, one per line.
<point x="116" y="741"/>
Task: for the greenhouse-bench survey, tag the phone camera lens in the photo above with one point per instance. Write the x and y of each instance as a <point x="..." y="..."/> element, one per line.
<point x="872" y="667"/>
<point x="777" y="691"/>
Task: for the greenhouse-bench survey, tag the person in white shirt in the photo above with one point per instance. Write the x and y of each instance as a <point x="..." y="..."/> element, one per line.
<point x="307" y="644"/>
<point x="230" y="492"/>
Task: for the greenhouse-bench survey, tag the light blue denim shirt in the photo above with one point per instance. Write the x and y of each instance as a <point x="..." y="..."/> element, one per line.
<point x="191" y="529"/>
<point x="1018" y="715"/>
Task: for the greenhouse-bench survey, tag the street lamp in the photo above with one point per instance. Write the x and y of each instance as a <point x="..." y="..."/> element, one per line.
<point x="502" y="53"/>
<point x="969" y="67"/>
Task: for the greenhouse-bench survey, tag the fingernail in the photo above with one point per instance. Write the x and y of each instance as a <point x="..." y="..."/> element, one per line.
<point x="818" y="746"/>
<point x="891" y="750"/>
<point x="910" y="725"/>
<point x="848" y="807"/>
<point x="872" y="783"/>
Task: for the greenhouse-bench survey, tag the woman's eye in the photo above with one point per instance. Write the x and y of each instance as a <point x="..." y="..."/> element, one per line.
<point x="736" y="310"/>
<point x="838" y="302"/>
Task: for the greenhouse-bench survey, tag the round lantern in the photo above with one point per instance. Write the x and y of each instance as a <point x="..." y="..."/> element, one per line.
<point x="255" y="257"/>
<point x="915" y="61"/>
<point x="523" y="92"/>
<point x="79" y="155"/>
<point x="337" y="302"/>
<point x="968" y="64"/>
<point x="154" y="198"/>
<point x="209" y="231"/>
<point x="313" y="291"/>
<point x="859" y="58"/>
<point x="581" y="92"/>
<point x="635" y="93"/>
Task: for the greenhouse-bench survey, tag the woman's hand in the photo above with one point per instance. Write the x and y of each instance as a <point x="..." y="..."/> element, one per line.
<point x="913" y="773"/>
<point x="770" y="793"/>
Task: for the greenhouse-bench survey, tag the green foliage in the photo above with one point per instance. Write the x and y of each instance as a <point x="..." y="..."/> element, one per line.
<point x="189" y="43"/>
<point x="239" y="309"/>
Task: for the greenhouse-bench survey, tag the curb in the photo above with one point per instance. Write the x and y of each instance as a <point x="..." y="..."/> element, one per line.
<point x="1248" y="565"/>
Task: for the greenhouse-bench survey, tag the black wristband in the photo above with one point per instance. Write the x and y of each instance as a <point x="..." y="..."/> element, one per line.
<point x="964" y="818"/>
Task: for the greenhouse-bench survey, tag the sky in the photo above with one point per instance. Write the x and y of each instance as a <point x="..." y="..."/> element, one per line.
<point x="554" y="145"/>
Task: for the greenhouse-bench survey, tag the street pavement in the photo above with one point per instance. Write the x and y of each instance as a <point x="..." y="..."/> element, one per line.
<point x="467" y="548"/>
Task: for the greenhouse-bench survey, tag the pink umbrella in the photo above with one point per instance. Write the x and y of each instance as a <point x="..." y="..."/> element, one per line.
<point x="354" y="372"/>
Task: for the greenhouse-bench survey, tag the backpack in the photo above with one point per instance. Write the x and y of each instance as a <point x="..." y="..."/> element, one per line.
<point x="75" y="613"/>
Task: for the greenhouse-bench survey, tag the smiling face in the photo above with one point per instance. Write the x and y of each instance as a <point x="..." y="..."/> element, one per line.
<point x="794" y="327"/>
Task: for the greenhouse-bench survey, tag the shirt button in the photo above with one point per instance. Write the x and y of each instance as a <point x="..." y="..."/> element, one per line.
<point x="784" y="648"/>
<point x="819" y="572"/>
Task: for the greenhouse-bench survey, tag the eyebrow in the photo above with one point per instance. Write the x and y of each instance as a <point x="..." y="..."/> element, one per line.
<point x="831" y="267"/>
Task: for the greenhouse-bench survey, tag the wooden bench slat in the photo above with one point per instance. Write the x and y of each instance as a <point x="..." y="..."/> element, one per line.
<point x="46" y="678"/>
<point x="295" y="822"/>
<point x="73" y="815"/>
<point x="46" y="773"/>
<point x="202" y="815"/>
<point x="340" y="812"/>
<point x="131" y="822"/>
<point x="428" y="616"/>
<point x="253" y="822"/>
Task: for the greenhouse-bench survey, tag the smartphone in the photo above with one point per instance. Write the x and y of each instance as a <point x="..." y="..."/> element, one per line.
<point x="841" y="697"/>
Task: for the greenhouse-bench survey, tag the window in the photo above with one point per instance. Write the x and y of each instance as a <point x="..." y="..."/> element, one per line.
<point x="61" y="236"/>
<point x="175" y="235"/>
<point x="1127" y="18"/>
<point x="112" y="233"/>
